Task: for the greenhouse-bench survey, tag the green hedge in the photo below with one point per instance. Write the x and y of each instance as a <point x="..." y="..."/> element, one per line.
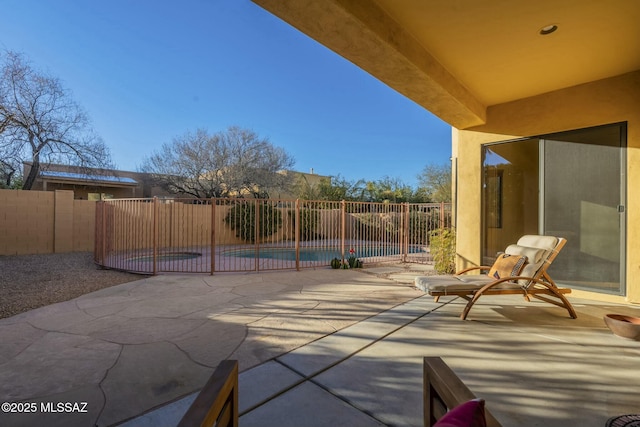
<point x="242" y="219"/>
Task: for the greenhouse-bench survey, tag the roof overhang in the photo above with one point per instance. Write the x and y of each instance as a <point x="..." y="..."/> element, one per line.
<point x="458" y="59"/>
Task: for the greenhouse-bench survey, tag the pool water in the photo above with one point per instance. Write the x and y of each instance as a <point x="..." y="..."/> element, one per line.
<point x="312" y="254"/>
<point x="285" y="254"/>
<point x="168" y="256"/>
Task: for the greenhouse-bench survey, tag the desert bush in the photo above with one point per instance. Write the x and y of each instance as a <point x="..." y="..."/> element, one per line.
<point x="309" y="219"/>
<point x="242" y="219"/>
<point x="443" y="250"/>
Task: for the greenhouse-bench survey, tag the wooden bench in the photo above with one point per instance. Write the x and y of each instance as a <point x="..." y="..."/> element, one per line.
<point x="217" y="403"/>
<point x="443" y="390"/>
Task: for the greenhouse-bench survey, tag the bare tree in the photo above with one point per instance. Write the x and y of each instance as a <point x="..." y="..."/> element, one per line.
<point x="40" y="123"/>
<point x="236" y="162"/>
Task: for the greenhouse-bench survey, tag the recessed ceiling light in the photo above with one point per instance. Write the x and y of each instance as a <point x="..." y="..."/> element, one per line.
<point x="548" y="29"/>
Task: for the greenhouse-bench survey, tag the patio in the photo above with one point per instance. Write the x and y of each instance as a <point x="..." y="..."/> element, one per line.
<point x="316" y="348"/>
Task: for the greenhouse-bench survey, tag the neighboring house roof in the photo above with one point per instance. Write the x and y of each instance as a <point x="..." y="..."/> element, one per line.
<point x="86" y="178"/>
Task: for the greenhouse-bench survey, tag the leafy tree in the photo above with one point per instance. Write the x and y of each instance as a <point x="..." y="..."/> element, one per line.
<point x="7" y="173"/>
<point x="391" y="190"/>
<point x="435" y="181"/>
<point x="40" y="123"/>
<point x="333" y="189"/>
<point x="236" y="162"/>
<point x="304" y="190"/>
<point x="387" y="189"/>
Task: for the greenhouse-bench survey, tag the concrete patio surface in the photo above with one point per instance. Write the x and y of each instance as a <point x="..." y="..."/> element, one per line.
<point x="316" y="348"/>
<point x="130" y="348"/>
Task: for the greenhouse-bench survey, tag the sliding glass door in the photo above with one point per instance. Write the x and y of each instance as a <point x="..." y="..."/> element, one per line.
<point x="568" y="185"/>
<point x="510" y="187"/>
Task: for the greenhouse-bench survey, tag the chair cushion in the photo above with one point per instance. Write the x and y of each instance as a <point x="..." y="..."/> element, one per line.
<point x="534" y="255"/>
<point x="536" y="241"/>
<point x="468" y="414"/>
<point x="454" y="285"/>
<point x="507" y="265"/>
<point x="441" y="283"/>
<point x="474" y="279"/>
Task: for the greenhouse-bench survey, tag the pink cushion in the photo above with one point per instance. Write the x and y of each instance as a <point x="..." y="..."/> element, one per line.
<point x="468" y="414"/>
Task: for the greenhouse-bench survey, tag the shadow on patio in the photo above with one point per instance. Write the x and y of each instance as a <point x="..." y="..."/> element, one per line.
<point x="532" y="364"/>
<point x="316" y="348"/>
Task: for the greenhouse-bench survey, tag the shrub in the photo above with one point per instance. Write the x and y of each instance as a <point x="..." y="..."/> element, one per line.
<point x="373" y="226"/>
<point x="421" y="225"/>
<point x="443" y="250"/>
<point x="309" y="220"/>
<point x="242" y="219"/>
<point x="352" y="260"/>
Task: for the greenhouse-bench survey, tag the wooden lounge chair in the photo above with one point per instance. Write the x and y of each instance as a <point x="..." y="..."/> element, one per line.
<point x="217" y="403"/>
<point x="535" y="254"/>
<point x="443" y="391"/>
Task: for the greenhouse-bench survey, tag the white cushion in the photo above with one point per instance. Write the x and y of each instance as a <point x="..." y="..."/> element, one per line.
<point x="453" y="284"/>
<point x="541" y="242"/>
<point x="537" y="249"/>
<point x="534" y="255"/>
<point x="482" y="279"/>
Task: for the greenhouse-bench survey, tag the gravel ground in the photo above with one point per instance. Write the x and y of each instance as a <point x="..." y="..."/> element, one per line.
<point x="32" y="281"/>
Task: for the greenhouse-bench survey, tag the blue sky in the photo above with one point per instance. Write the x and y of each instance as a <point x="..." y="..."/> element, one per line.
<point x="147" y="71"/>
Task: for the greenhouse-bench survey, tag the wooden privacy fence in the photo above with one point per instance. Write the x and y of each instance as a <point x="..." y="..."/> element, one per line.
<point x="225" y="235"/>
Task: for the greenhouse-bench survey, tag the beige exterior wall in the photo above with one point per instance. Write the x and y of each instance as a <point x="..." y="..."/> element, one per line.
<point x="603" y="102"/>
<point x="42" y="222"/>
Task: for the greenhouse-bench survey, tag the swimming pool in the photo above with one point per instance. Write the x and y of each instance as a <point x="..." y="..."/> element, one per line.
<point x="314" y="254"/>
<point x="167" y="256"/>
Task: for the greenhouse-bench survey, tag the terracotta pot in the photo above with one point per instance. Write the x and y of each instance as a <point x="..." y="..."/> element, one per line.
<point x="623" y="326"/>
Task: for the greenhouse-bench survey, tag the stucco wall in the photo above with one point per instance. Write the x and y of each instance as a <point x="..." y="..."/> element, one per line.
<point x="603" y="102"/>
